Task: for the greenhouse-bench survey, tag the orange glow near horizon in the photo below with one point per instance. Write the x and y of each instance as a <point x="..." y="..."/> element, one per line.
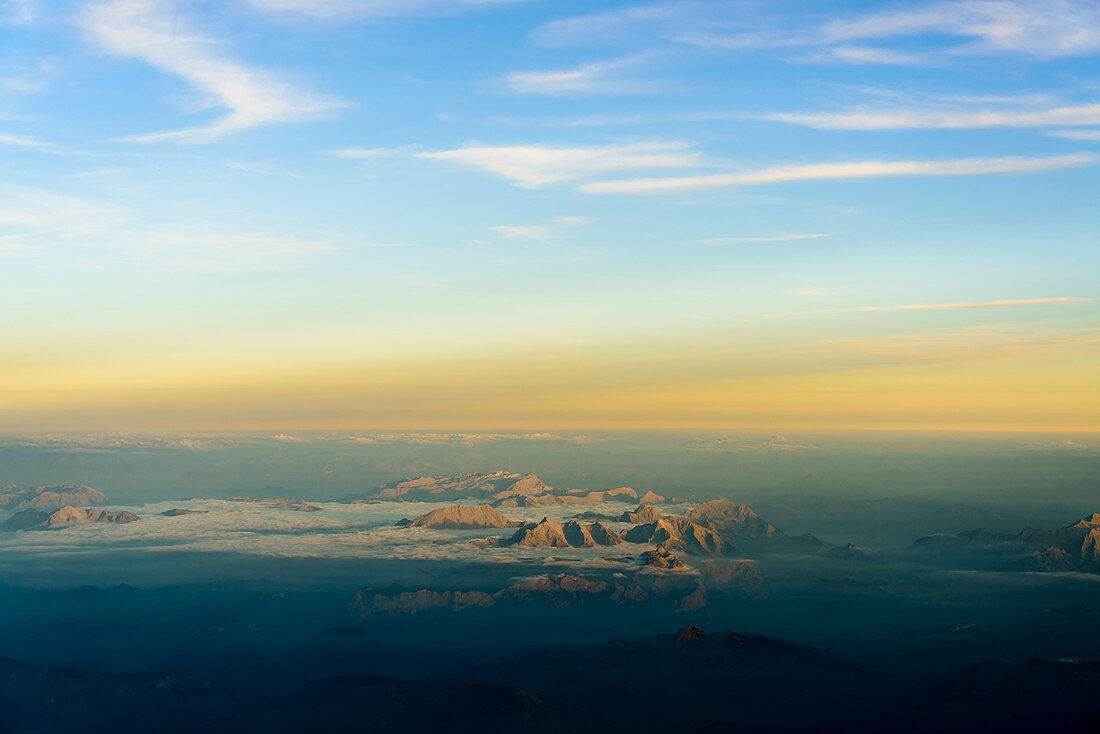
<point x="944" y="382"/>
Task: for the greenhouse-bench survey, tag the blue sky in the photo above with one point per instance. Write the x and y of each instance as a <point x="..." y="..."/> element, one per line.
<point x="202" y="195"/>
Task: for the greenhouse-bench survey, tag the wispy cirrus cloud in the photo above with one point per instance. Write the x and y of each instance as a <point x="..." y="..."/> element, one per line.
<point x="150" y="31"/>
<point x="366" y="154"/>
<point x="754" y="240"/>
<point x="531" y="166"/>
<point x="26" y="212"/>
<point x="45" y="223"/>
<point x="838" y="171"/>
<point x="260" y="169"/>
<point x="1040" y="28"/>
<point x="25" y="141"/>
<point x="538" y="232"/>
<point x="664" y="20"/>
<point x="926" y="119"/>
<point x="602" y="77"/>
<point x="339" y="8"/>
<point x="17" y="12"/>
<point x="1049" y="28"/>
<point x="27" y="78"/>
<point x="937" y="306"/>
<point x="1076" y="134"/>
<point x="856" y="55"/>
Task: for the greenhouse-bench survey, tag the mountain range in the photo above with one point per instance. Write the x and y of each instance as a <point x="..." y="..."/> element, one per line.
<point x="500" y="489"/>
<point x="1075" y="547"/>
<point x="49" y="498"/>
<point x="64" y="517"/>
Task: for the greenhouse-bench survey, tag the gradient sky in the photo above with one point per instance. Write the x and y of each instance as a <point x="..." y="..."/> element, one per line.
<point x="549" y="214"/>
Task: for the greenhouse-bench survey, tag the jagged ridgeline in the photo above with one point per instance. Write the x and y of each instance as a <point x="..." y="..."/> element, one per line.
<point x="49" y="498"/>
<point x="1075" y="547"/>
<point x="712" y="528"/>
<point x="499" y="489"/>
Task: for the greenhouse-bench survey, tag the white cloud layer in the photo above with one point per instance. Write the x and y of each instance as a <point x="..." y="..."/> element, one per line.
<point x="337" y="531"/>
<point x="838" y="171"/>
<point x="150" y="31"/>
<point x="539" y="165"/>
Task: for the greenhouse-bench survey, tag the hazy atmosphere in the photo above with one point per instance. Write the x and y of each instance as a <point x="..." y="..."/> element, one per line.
<point x="452" y="366"/>
<point x="776" y="216"/>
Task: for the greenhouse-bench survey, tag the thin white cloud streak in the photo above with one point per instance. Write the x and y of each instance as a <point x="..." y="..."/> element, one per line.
<point x="29" y="79"/>
<point x="44" y="223"/>
<point x="530" y="166"/>
<point x="149" y="31"/>
<point x="28" y="211"/>
<point x="17" y="12"/>
<point x="536" y="232"/>
<point x="25" y="141"/>
<point x="261" y="170"/>
<point x="621" y="120"/>
<point x="602" y="77"/>
<point x="1036" y="27"/>
<point x="1040" y="28"/>
<point x="857" y="55"/>
<point x="29" y="142"/>
<point x="923" y="119"/>
<point x="936" y="306"/>
<point x="1076" y="134"/>
<point x="363" y="154"/>
<point x="838" y="171"/>
<point x="540" y="232"/>
<point x="340" y="8"/>
<point x="667" y="18"/>
<point x="751" y="240"/>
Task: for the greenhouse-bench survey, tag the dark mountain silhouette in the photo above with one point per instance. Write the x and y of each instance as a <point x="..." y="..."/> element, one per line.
<point x="689" y="681"/>
<point x="37" y="701"/>
<point x="1075" y="547"/>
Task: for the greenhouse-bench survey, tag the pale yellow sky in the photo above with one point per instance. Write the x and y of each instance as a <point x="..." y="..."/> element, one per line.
<point x="1005" y="377"/>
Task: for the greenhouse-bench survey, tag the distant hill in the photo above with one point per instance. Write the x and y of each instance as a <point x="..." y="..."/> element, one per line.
<point x="689" y="681"/>
<point x="50" y="498"/>
<point x="1075" y="547"/>
<point x="463" y="517"/>
<point x="64" y="517"/>
<point x="499" y="488"/>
